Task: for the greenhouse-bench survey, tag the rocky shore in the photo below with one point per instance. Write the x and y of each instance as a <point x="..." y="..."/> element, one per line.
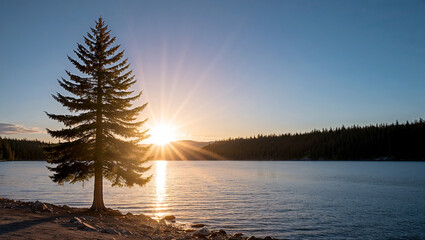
<point x="38" y="220"/>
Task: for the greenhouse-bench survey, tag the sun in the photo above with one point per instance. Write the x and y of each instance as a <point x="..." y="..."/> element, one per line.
<point x="162" y="134"/>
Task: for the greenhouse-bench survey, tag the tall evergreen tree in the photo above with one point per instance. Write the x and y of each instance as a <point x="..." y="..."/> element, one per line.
<point x="8" y="153"/>
<point x="101" y="137"/>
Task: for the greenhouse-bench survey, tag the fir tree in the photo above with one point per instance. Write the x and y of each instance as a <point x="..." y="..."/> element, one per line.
<point x="101" y="137"/>
<point x="8" y="153"/>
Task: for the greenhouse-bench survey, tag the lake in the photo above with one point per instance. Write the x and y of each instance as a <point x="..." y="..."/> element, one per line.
<point x="283" y="199"/>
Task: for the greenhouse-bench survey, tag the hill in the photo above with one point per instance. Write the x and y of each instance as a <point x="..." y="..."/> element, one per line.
<point x="182" y="150"/>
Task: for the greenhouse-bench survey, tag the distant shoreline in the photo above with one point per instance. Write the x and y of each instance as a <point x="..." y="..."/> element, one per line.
<point x="380" y="142"/>
<point x="252" y="160"/>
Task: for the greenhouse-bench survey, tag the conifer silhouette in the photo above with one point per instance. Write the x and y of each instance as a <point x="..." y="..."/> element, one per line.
<point x="101" y="138"/>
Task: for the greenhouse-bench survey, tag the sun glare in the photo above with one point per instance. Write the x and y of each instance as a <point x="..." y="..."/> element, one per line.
<point x="162" y="134"/>
<point x="161" y="187"/>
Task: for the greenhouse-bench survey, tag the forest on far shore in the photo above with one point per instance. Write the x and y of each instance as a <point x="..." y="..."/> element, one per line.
<point x="375" y="142"/>
<point x="21" y="149"/>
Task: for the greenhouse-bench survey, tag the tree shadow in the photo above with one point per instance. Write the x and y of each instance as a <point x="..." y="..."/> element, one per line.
<point x="16" y="226"/>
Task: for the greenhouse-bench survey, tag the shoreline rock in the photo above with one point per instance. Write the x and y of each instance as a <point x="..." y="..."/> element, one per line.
<point x="169" y="218"/>
<point x="203" y="232"/>
<point x="199" y="225"/>
<point x="40" y="207"/>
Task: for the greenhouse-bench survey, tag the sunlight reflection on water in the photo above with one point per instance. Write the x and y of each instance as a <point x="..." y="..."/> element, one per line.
<point x="161" y="188"/>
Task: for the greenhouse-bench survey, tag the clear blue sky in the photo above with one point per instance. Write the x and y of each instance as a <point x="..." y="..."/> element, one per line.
<point x="219" y="69"/>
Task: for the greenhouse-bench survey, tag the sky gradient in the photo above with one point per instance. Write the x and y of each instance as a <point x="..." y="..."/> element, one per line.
<point x="219" y="69"/>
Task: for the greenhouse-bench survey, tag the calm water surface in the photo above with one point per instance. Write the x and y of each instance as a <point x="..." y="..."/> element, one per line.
<point x="291" y="200"/>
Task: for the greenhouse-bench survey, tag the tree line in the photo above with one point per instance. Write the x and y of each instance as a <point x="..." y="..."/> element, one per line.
<point x="21" y="149"/>
<point x="385" y="141"/>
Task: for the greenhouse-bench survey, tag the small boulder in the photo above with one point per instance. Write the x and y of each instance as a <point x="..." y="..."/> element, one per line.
<point x="235" y="238"/>
<point x="109" y="231"/>
<point x="268" y="238"/>
<point x="200" y="225"/>
<point x="238" y="234"/>
<point x="65" y="207"/>
<point x="169" y="217"/>
<point x="124" y="232"/>
<point x="39" y="206"/>
<point x="252" y="238"/>
<point x="213" y="235"/>
<point x="203" y="232"/>
<point x="222" y="232"/>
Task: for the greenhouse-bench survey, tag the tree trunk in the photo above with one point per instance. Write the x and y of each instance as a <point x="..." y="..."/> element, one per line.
<point x="98" y="204"/>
